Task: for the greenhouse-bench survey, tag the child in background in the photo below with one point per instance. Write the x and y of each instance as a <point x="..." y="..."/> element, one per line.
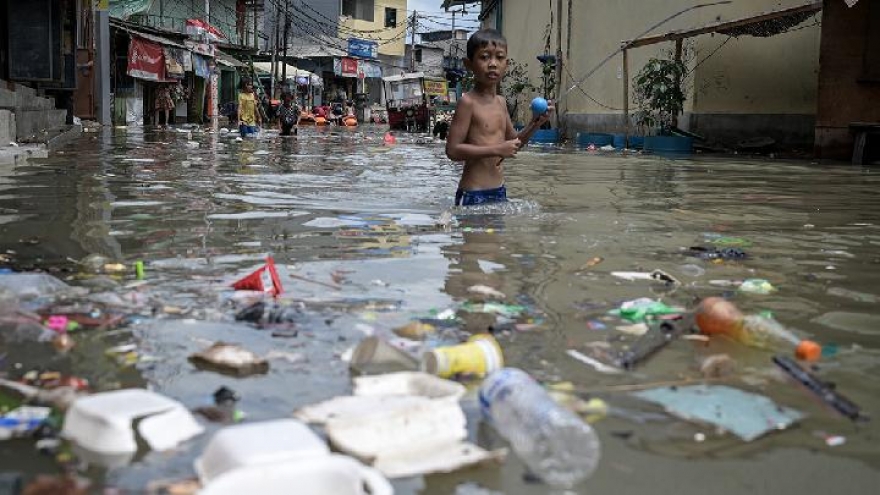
<point x="248" y="113"/>
<point x="288" y="114"/>
<point x="481" y="133"/>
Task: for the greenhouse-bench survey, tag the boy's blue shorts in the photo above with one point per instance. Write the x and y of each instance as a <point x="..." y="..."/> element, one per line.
<point x="482" y="196"/>
<point x="247" y="130"/>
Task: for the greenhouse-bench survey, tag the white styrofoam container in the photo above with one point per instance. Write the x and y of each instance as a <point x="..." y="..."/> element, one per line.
<point x="251" y="444"/>
<point x="103" y="422"/>
<point x="322" y="475"/>
<point x="414" y="383"/>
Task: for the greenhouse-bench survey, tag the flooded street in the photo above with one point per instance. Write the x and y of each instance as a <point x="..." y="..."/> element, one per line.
<point x="344" y="217"/>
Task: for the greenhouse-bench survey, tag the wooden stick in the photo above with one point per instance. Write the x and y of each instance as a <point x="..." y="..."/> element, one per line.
<point x="634" y="387"/>
<point x="304" y="279"/>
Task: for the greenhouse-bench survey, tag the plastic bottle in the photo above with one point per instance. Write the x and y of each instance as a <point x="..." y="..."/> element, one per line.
<point x="553" y="442"/>
<point x="719" y="316"/>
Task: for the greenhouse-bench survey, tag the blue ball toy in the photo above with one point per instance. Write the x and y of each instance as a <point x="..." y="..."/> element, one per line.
<point x="539" y="106"/>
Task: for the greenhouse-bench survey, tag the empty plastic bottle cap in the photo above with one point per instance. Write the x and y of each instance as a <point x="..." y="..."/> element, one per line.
<point x="808" y="350"/>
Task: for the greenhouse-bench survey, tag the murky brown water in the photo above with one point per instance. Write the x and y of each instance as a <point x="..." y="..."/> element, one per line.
<point x="201" y="216"/>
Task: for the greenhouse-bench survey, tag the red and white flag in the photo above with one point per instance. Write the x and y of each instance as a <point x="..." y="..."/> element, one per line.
<point x="198" y="28"/>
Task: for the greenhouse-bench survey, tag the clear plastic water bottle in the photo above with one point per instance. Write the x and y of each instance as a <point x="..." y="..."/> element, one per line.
<point x="553" y="442"/>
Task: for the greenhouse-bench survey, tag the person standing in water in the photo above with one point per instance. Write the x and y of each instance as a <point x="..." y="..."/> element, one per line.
<point x="248" y="113"/>
<point x="482" y="134"/>
<point x="288" y="114"/>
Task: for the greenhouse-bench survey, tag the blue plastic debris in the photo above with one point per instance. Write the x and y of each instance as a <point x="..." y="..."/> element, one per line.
<point x="744" y="414"/>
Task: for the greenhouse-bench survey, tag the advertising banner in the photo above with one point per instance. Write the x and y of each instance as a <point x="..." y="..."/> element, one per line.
<point x="146" y="60"/>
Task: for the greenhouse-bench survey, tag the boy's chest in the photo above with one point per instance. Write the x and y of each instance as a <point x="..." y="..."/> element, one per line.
<point x="490" y="119"/>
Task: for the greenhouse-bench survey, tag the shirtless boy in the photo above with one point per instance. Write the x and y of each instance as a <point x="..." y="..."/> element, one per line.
<point x="482" y="133"/>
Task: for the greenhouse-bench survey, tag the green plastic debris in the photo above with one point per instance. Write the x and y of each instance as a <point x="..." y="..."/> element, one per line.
<point x="641" y="309"/>
<point x="732" y="241"/>
<point x="507" y="310"/>
<point x="757" y="286"/>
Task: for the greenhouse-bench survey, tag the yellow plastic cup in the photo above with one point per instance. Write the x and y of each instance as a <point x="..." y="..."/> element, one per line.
<point x="480" y="355"/>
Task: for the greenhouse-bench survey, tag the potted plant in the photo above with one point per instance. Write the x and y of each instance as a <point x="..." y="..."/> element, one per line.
<point x="515" y="89"/>
<point x="660" y="99"/>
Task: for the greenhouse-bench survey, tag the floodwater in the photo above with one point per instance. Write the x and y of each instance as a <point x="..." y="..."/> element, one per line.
<point x="336" y="211"/>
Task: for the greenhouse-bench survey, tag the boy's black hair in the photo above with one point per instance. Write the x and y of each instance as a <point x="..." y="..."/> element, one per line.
<point x="482" y="38"/>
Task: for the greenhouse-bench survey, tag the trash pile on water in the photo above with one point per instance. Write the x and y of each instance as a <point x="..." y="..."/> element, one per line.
<point x="411" y="384"/>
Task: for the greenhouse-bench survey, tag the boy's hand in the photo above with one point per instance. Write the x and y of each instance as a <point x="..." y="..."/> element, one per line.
<point x="545" y="117"/>
<point x="508" y="149"/>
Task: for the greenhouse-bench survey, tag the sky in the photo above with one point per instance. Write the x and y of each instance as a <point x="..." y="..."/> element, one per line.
<point x="435" y="19"/>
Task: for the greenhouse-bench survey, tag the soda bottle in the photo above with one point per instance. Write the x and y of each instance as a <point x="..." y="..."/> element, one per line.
<point x="716" y="315"/>
<point x="553" y="442"/>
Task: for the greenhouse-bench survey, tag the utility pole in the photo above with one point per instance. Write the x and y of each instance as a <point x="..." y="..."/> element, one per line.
<point x="161" y="13"/>
<point x="412" y="47"/>
<point x="273" y="68"/>
<point x="558" y="88"/>
<point x="286" y="33"/>
<point x="208" y="11"/>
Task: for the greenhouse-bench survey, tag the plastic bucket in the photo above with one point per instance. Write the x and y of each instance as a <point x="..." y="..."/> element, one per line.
<point x="332" y="474"/>
<point x="546" y="136"/>
<point x="480" y="355"/>
<point x="669" y="145"/>
<point x="596" y="139"/>
<point x="619" y="141"/>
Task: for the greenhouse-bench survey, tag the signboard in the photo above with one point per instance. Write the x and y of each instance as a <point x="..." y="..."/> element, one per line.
<point x="146" y="60"/>
<point x="436" y="88"/>
<point x="370" y="69"/>
<point x="205" y="49"/>
<point x="345" y="67"/>
<point x="362" y="48"/>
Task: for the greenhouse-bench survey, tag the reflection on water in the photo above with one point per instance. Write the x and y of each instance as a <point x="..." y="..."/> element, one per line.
<point x="347" y="211"/>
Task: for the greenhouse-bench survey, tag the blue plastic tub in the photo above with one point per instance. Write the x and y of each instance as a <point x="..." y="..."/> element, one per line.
<point x="636" y="142"/>
<point x="545" y="136"/>
<point x="669" y="145"/>
<point x="618" y="141"/>
<point x="596" y="139"/>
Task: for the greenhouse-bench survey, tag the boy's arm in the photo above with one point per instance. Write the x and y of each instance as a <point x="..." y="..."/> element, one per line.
<point x="456" y="147"/>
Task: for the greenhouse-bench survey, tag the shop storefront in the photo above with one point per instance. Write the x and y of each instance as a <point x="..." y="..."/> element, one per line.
<point x="149" y="66"/>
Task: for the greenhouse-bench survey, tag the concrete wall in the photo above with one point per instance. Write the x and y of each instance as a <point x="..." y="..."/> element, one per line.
<point x="843" y="96"/>
<point x="770" y="80"/>
<point x="392" y="41"/>
<point x="432" y="60"/>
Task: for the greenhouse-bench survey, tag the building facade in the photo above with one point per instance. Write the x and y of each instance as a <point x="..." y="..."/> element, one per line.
<point x="737" y="87"/>
<point x="384" y="22"/>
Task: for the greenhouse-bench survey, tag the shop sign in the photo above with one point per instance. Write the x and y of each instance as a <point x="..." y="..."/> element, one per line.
<point x="345" y="67"/>
<point x="205" y="49"/>
<point x="370" y="69"/>
<point x="363" y="48"/>
<point x="436" y="88"/>
<point x="146" y="60"/>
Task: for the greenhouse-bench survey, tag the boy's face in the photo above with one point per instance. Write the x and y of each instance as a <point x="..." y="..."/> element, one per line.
<point x="489" y="63"/>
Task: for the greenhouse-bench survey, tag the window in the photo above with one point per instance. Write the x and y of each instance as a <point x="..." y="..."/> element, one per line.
<point x="359" y="9"/>
<point x="419" y="55"/>
<point x="390" y="17"/>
